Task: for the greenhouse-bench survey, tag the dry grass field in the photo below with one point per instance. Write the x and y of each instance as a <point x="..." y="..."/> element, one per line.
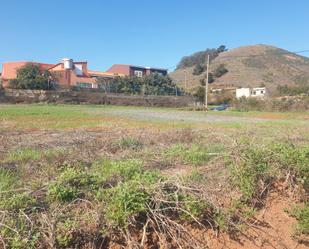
<point x="131" y="177"/>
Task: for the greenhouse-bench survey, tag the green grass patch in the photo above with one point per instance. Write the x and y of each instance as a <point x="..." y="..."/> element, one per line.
<point x="129" y="143"/>
<point x="302" y="216"/>
<point x="195" y="154"/>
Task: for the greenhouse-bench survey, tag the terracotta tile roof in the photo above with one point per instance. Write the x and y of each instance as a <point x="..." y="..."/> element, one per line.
<point x="103" y="74"/>
<point x="120" y="68"/>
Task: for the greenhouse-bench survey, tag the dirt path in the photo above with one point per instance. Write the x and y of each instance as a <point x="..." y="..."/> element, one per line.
<point x="152" y="114"/>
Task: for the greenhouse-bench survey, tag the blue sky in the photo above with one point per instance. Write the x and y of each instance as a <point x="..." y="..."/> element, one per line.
<point x="151" y="33"/>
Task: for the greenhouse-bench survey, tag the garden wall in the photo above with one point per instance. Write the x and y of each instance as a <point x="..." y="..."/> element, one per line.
<point x="91" y="97"/>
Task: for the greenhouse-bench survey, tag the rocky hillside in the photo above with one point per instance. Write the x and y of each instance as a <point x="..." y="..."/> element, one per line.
<point x="253" y="66"/>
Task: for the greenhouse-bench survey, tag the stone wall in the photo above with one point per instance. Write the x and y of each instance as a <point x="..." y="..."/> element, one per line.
<point x="90" y="97"/>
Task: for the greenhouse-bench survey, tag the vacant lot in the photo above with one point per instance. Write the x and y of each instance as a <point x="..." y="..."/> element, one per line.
<point x="131" y="177"/>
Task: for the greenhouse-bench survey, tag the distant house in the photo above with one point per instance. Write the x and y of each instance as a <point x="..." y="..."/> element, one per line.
<point x="68" y="73"/>
<point x="138" y="71"/>
<point x="251" y="92"/>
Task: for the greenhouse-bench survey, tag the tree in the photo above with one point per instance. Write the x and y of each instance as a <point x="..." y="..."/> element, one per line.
<point x="198" y="69"/>
<point x="31" y="77"/>
<point x="153" y="84"/>
<point x="211" y="79"/>
<point x="220" y="71"/>
<point x="200" y="93"/>
<point x="221" y="49"/>
<point x="200" y="57"/>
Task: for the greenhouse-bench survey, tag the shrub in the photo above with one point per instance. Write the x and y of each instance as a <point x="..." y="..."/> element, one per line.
<point x="220" y="71"/>
<point x="124" y="202"/>
<point x="64" y="233"/>
<point x="193" y="207"/>
<point x="198" y="69"/>
<point x="302" y="215"/>
<point x="107" y="171"/>
<point x="261" y="166"/>
<point x="253" y="174"/>
<point x="71" y="184"/>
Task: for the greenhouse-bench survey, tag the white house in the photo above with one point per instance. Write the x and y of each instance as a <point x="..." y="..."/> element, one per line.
<point x="251" y="92"/>
<point x="243" y="92"/>
<point x="258" y="92"/>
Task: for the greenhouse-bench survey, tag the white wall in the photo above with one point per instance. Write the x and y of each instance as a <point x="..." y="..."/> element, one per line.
<point x="79" y="69"/>
<point x="258" y="92"/>
<point x="243" y="92"/>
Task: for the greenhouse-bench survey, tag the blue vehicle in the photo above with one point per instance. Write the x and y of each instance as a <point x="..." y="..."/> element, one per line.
<point x="220" y="107"/>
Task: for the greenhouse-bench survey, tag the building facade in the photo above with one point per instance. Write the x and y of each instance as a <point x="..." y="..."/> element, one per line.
<point x="251" y="92"/>
<point x="68" y="73"/>
<point x="138" y="71"/>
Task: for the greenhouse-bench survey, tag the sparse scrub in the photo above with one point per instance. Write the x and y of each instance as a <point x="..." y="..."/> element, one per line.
<point x="71" y="184"/>
<point x="195" y="154"/>
<point x="130" y="143"/>
<point x="24" y="155"/>
<point x="302" y="215"/>
<point x="271" y="105"/>
<point x="259" y="167"/>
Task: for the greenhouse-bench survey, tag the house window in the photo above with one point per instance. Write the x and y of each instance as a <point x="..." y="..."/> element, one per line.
<point x="262" y="92"/>
<point x="138" y="73"/>
<point x="157" y="72"/>
<point x="84" y="85"/>
<point x="254" y="93"/>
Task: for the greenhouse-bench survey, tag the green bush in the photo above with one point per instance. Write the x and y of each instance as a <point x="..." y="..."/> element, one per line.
<point x="65" y="233"/>
<point x="261" y="166"/>
<point x="294" y="160"/>
<point x="107" y="170"/>
<point x="254" y="170"/>
<point x="71" y="184"/>
<point x="125" y="201"/>
<point x="194" y="208"/>
<point x="302" y="215"/>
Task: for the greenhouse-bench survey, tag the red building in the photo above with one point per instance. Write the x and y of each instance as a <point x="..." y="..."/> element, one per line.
<point x="67" y="73"/>
<point x="130" y="70"/>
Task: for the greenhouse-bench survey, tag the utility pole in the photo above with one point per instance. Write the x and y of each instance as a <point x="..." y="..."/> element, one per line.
<point x="206" y="83"/>
<point x="185" y="79"/>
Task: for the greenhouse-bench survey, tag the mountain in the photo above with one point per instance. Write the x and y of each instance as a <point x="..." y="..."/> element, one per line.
<point x="252" y="66"/>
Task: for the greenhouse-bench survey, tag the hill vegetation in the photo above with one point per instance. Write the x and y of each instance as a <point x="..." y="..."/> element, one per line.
<point x="250" y="66"/>
<point x="199" y="58"/>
